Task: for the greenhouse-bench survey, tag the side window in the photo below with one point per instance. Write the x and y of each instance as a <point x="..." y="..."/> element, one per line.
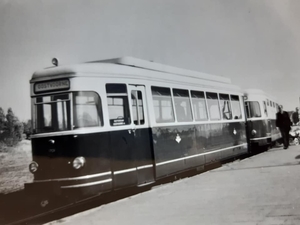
<point x="137" y="108"/>
<point x="163" y="106"/>
<point x="268" y="102"/>
<point x="265" y="109"/>
<point x="236" y="107"/>
<point x="117" y="103"/>
<point x="213" y="106"/>
<point x="182" y="105"/>
<point x="225" y="107"/>
<point x="199" y="105"/>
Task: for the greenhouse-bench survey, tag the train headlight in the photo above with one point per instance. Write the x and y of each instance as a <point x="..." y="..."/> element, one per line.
<point x="33" y="167"/>
<point x="253" y="132"/>
<point x="78" y="162"/>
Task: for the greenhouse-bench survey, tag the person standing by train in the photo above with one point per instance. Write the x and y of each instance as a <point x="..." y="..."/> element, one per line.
<point x="295" y="116"/>
<point x="283" y="122"/>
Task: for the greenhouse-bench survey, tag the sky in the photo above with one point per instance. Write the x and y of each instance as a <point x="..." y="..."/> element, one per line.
<point x="256" y="43"/>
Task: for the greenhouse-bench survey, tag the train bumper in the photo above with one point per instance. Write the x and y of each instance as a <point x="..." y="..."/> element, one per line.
<point x="260" y="142"/>
<point x="49" y="188"/>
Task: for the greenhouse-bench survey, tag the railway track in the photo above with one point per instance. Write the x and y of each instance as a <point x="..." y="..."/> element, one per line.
<point x="55" y="211"/>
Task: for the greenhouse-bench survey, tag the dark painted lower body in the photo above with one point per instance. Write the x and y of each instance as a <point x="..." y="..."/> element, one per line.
<point x="262" y="133"/>
<point x="182" y="148"/>
<point x="122" y="159"/>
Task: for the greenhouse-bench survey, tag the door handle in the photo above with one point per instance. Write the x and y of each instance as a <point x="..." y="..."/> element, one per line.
<point x="132" y="131"/>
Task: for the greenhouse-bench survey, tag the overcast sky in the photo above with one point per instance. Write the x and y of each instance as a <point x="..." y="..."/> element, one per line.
<point x="256" y="43"/>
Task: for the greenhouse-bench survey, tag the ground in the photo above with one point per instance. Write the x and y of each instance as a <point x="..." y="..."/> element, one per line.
<point x="14" y="163"/>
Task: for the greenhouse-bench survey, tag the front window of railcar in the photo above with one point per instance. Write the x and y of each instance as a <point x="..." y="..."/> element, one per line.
<point x="53" y="113"/>
<point x="253" y="109"/>
<point x="87" y="110"/>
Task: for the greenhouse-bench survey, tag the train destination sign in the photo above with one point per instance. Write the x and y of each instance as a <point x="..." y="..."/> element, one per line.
<point x="52" y="86"/>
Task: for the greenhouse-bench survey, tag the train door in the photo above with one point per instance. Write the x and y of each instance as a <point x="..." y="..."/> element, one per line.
<point x="142" y="149"/>
<point x="121" y="138"/>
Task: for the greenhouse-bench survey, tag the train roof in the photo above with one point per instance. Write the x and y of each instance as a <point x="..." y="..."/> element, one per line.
<point x="254" y="91"/>
<point x="130" y="66"/>
<point x="259" y="92"/>
<point x="149" y="65"/>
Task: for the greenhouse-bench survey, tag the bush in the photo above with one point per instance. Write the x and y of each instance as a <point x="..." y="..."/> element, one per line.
<point x="11" y="129"/>
<point x="12" y="141"/>
<point x="3" y="146"/>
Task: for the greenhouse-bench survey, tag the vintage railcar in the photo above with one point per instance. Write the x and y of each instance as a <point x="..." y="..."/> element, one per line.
<point x="261" y="109"/>
<point x="126" y="122"/>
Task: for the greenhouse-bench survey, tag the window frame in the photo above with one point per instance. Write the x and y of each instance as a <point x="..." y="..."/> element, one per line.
<point x="250" y="111"/>
<point x="218" y="103"/>
<point x="230" y="106"/>
<point x="240" y="108"/>
<point x="205" y="105"/>
<point x="136" y="108"/>
<point x="188" y="97"/>
<point x="127" y="120"/>
<point x="169" y="94"/>
<point x="37" y="129"/>
<point x="99" y="108"/>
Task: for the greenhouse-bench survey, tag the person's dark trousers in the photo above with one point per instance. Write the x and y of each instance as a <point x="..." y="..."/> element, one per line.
<point x="285" y="137"/>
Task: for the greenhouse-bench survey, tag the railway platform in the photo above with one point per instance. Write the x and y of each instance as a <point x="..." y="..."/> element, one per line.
<point x="262" y="189"/>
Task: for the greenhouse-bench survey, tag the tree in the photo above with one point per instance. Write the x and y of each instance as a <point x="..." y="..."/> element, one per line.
<point x="18" y="131"/>
<point x="14" y="127"/>
<point x="11" y="129"/>
<point x="11" y="122"/>
<point x="27" y="128"/>
<point x="2" y="120"/>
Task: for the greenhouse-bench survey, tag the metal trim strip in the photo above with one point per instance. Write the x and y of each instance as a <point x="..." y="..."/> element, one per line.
<point x="124" y="171"/>
<point x="144" y="167"/>
<point x="75" y="178"/>
<point x="193" y="156"/>
<point x="261" y="138"/>
<point x="87" y="184"/>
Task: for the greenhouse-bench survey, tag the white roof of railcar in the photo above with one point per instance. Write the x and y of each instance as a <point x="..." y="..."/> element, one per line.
<point x="133" y="68"/>
<point x="259" y="92"/>
<point x="144" y="64"/>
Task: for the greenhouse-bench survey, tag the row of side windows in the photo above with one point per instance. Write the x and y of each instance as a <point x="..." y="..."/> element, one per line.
<point x="272" y="104"/>
<point x="193" y="105"/>
<point x="53" y="113"/>
<point x="184" y="105"/>
<point x="253" y="109"/>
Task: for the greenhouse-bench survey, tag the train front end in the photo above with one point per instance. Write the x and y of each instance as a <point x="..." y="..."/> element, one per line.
<point x="261" y="116"/>
<point x="70" y="155"/>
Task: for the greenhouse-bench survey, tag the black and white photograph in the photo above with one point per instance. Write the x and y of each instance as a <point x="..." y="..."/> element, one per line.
<point x="149" y="112"/>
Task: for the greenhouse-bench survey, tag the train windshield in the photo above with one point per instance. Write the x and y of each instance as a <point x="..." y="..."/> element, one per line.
<point x="253" y="109"/>
<point x="54" y="113"/>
